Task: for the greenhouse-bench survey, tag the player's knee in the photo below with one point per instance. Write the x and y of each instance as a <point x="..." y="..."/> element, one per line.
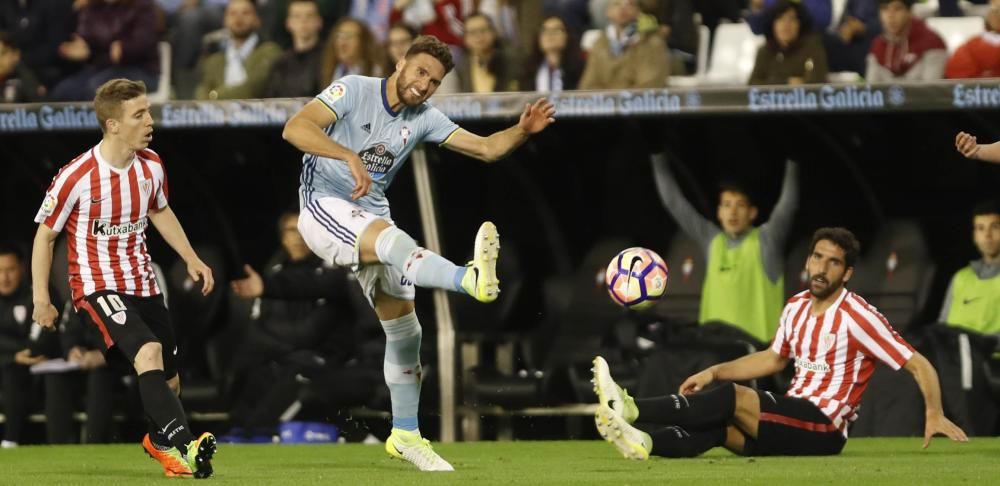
<point x="175" y="384"/>
<point x="746" y="398"/>
<point x="371" y="238"/>
<point x="149" y="357"/>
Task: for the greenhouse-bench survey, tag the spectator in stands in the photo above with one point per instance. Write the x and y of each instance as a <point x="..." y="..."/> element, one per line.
<point x="301" y="322"/>
<point x="676" y="25"/>
<point x="623" y="57"/>
<point x="744" y="282"/>
<point x="847" y="47"/>
<point x="188" y="22"/>
<point x="242" y="68"/>
<point x="440" y="18"/>
<point x="793" y="54"/>
<point x="556" y="64"/>
<point x="38" y="28"/>
<point x="952" y="8"/>
<point x="17" y="83"/>
<point x="980" y="56"/>
<point x="351" y="49"/>
<point x="82" y="344"/>
<point x="273" y="14"/>
<point x="486" y="67"/>
<point x="967" y="145"/>
<point x="907" y="49"/>
<point x="113" y="39"/>
<point x="400" y="38"/>
<point x="819" y="13"/>
<point x="973" y="297"/>
<point x="516" y="24"/>
<point x="22" y="343"/>
<point x="297" y="71"/>
<point x="574" y="14"/>
<point x="374" y="14"/>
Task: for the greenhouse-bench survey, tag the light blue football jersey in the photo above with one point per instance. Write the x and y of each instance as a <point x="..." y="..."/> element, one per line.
<point x="382" y="138"/>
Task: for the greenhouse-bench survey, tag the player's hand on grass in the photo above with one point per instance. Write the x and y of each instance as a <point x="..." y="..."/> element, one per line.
<point x="966" y="145"/>
<point x="939" y="424"/>
<point x="537" y="116"/>
<point x="24" y="357"/>
<point x="250" y="287"/>
<point x="362" y="181"/>
<point x="199" y="272"/>
<point x="45" y="314"/>
<point x="697" y="382"/>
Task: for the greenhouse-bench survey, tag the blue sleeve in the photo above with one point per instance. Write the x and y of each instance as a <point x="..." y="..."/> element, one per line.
<point x="341" y="96"/>
<point x="437" y="126"/>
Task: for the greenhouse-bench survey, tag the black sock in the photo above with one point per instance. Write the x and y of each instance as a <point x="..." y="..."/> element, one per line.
<point x="707" y="408"/>
<point x="165" y="409"/>
<point x="158" y="438"/>
<point x="674" y="441"/>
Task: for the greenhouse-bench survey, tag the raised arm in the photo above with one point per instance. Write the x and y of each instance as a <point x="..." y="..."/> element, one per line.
<point x="534" y="119"/>
<point x="935" y="422"/>
<point x="692" y="222"/>
<point x="170" y="228"/>
<point x="44" y="312"/>
<point x="306" y="130"/>
<point x="774" y="233"/>
<point x="756" y="365"/>
<point x="967" y="146"/>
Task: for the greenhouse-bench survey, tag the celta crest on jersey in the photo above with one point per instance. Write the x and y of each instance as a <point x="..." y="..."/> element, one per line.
<point x="102" y="227"/>
<point x="378" y="160"/>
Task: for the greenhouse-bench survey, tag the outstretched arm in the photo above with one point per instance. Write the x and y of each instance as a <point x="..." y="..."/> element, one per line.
<point x="44" y="312"/>
<point x="935" y="421"/>
<point x="756" y="365"/>
<point x="687" y="217"/>
<point x="170" y="228"/>
<point x="534" y="119"/>
<point x="966" y="145"/>
<point x="306" y="131"/>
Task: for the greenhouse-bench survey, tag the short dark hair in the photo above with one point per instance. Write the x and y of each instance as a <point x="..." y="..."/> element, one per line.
<point x="779" y="9"/>
<point x="733" y="186"/>
<point x="111" y="95"/>
<point x="9" y="248"/>
<point x="841" y="237"/>
<point x="908" y="3"/>
<point x="986" y="208"/>
<point x="430" y="45"/>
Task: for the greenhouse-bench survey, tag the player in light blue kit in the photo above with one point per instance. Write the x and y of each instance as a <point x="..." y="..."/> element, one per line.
<point x="356" y="135"/>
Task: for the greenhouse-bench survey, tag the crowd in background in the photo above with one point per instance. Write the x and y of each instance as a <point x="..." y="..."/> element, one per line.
<point x="61" y="50"/>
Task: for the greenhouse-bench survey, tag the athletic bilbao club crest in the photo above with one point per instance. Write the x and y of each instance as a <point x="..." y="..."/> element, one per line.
<point x="146" y="187"/>
<point x="20" y="313"/>
<point x="119" y="318"/>
<point x="827" y="342"/>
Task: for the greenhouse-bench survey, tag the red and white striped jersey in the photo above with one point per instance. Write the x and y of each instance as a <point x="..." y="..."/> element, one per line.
<point x="835" y="353"/>
<point x="104" y="212"/>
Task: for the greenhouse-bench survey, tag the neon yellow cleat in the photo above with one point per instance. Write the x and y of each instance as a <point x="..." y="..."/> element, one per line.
<point x="480" y="280"/>
<point x="199" y="455"/>
<point x="173" y="462"/>
<point x="612" y="395"/>
<point x="411" y="447"/>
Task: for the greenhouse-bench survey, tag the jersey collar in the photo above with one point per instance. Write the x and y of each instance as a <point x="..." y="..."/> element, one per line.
<point x="385" y="101"/>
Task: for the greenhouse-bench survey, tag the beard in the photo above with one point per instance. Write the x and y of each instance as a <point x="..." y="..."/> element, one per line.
<point x="821" y="287"/>
<point x="403" y="92"/>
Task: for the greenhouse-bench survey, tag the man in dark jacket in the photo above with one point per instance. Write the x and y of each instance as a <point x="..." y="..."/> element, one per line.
<point x="297" y="71"/>
<point x="37" y="28"/>
<point x="18" y="83"/>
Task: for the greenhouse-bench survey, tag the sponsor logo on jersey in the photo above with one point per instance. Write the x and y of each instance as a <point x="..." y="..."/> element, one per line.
<point x="49" y="204"/>
<point x="378" y="160"/>
<point x="812" y="365"/>
<point x="102" y="227"/>
<point x="337" y="91"/>
<point x="367" y="127"/>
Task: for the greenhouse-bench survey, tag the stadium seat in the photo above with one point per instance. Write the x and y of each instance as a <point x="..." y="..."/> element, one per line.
<point x="162" y="93"/>
<point x="895" y="273"/>
<point x="925" y="8"/>
<point x="701" y="63"/>
<point x="733" y="54"/>
<point x="956" y="30"/>
<point x="589" y="38"/>
<point x="686" y="263"/>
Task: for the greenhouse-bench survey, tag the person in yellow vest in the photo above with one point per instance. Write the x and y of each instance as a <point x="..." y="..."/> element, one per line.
<point x="744" y="282"/>
<point x="973" y="298"/>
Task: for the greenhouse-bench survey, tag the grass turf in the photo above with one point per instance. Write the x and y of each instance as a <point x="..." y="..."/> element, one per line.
<point x="864" y="461"/>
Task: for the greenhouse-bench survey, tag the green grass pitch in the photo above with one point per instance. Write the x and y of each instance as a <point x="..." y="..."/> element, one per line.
<point x="864" y="462"/>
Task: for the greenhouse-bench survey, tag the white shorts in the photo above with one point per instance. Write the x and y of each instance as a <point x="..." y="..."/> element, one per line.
<point x="331" y="227"/>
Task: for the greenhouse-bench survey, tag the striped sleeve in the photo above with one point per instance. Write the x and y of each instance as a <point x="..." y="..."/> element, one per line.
<point x="159" y="179"/>
<point x="876" y="337"/>
<point x="62" y="195"/>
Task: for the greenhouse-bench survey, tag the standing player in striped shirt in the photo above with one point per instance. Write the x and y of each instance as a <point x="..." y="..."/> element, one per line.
<point x="356" y="135"/>
<point x="834" y="338"/>
<point x="103" y="200"/>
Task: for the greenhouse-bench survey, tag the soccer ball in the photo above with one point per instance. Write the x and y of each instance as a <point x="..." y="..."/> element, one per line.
<point x="636" y="278"/>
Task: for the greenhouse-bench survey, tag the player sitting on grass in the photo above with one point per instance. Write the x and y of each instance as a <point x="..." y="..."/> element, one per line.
<point x="834" y="338"/>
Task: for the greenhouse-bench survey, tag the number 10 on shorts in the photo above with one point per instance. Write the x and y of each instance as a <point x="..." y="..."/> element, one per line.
<point x="116" y="304"/>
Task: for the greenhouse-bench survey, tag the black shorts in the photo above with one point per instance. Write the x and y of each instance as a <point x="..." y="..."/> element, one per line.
<point x="128" y="322"/>
<point x="791" y="426"/>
